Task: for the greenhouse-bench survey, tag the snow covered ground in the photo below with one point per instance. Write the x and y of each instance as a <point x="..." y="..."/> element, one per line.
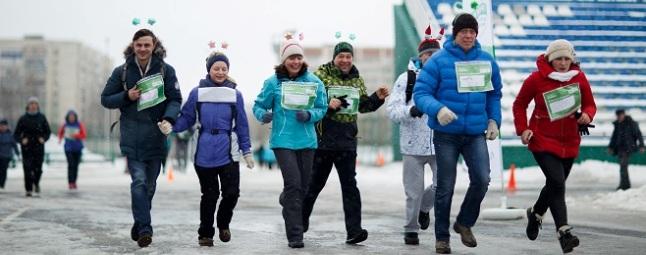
<point x="96" y="218"/>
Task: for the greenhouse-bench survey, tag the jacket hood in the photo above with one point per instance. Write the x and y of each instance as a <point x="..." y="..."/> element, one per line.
<point x="544" y="67"/>
<point x="414" y="64"/>
<point x="71" y="112"/>
<point x="207" y="82"/>
<point x="454" y="49"/>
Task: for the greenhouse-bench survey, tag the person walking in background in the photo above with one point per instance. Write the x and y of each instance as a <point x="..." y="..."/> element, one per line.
<point x="554" y="131"/>
<point x="625" y="140"/>
<point x="415" y="142"/>
<point x="293" y="99"/>
<point x="223" y="139"/>
<point x="32" y="131"/>
<point x="182" y="140"/>
<point x="146" y="92"/>
<point x="337" y="136"/>
<point x="73" y="131"/>
<point x="8" y="147"/>
<point x="459" y="88"/>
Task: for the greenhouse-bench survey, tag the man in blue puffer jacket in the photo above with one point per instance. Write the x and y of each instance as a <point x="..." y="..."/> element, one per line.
<point x="459" y="88"/>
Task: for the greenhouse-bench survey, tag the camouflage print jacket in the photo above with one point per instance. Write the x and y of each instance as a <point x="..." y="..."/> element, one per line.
<point x="338" y="131"/>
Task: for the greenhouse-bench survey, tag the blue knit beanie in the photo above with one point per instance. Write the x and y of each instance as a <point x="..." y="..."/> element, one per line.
<point x="215" y="57"/>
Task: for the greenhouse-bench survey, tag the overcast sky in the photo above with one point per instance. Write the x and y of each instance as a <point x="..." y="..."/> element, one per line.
<point x="186" y="26"/>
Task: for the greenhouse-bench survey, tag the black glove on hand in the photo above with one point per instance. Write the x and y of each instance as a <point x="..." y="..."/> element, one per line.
<point x="302" y="116"/>
<point x="415" y="112"/>
<point x="267" y="117"/>
<point x="583" y="129"/>
<point x="344" y="102"/>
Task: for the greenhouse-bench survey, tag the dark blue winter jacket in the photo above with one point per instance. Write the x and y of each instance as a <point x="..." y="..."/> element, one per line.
<point x="224" y="130"/>
<point x="141" y="138"/>
<point x="8" y="145"/>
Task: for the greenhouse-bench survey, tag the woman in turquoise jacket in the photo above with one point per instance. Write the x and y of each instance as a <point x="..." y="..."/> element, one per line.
<point x="293" y="99"/>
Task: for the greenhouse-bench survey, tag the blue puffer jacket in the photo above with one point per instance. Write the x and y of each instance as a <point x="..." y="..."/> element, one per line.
<point x="436" y="87"/>
<point x="141" y="138"/>
<point x="220" y="141"/>
<point x="8" y="145"/>
<point x="286" y="131"/>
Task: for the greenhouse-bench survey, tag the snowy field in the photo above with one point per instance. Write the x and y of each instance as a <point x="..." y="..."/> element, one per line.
<point x="96" y="219"/>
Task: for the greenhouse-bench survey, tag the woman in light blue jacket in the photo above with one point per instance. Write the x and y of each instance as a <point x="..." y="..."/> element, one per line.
<point x="293" y="99"/>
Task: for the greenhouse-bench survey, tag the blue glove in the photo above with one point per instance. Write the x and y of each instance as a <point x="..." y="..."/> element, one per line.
<point x="302" y="116"/>
<point x="267" y="117"/>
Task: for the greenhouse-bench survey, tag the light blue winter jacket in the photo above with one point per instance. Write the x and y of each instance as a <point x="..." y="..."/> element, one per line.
<point x="436" y="87"/>
<point x="286" y="131"/>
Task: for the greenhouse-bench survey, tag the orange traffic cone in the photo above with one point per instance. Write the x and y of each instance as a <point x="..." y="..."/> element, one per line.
<point x="381" y="161"/>
<point x="170" y="176"/>
<point x="511" y="185"/>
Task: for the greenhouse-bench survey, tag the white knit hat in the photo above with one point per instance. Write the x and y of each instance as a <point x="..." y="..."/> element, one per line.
<point x="559" y="48"/>
<point x="291" y="46"/>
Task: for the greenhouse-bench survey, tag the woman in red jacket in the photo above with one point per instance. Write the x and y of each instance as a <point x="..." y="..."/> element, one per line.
<point x="559" y="89"/>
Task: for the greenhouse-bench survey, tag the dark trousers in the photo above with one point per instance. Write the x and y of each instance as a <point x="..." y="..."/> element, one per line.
<point x="345" y="163"/>
<point x="4" y="164"/>
<point x="624" y="179"/>
<point x="213" y="181"/>
<point x="32" y="166"/>
<point x="295" y="166"/>
<point x="73" y="161"/>
<point x="556" y="171"/>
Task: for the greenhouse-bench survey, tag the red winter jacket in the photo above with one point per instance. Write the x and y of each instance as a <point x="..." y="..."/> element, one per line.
<point x="559" y="137"/>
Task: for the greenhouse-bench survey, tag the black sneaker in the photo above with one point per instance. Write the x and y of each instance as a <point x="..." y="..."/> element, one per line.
<point x="205" y="241"/>
<point x="28" y="194"/>
<point x="534" y="224"/>
<point x="134" y="235"/>
<point x="567" y="240"/>
<point x="225" y="235"/>
<point x="36" y="188"/>
<point x="465" y="235"/>
<point x="424" y="220"/>
<point x="442" y="247"/>
<point x="411" y="238"/>
<point x="296" y="244"/>
<point x="144" y="240"/>
<point x="358" y="237"/>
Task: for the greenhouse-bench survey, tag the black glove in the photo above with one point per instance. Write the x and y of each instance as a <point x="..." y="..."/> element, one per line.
<point x="344" y="102"/>
<point x="415" y="112"/>
<point x="302" y="116"/>
<point x="267" y="117"/>
<point x="583" y="129"/>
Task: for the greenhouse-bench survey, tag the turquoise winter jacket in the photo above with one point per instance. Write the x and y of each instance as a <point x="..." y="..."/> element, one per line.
<point x="436" y="87"/>
<point x="286" y="131"/>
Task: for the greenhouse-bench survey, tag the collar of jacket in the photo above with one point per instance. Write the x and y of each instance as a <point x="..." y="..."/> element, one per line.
<point x="333" y="70"/>
<point x="155" y="62"/>
<point x="284" y="76"/>
<point x="454" y="49"/>
<point x="207" y="82"/>
<point x="544" y="67"/>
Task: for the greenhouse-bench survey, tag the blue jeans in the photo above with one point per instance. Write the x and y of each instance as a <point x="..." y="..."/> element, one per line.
<point x="142" y="189"/>
<point x="448" y="148"/>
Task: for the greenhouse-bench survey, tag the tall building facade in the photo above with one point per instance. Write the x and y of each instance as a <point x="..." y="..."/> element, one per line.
<point x="63" y="75"/>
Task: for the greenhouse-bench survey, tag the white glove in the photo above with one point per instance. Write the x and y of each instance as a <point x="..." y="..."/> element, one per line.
<point x="248" y="159"/>
<point x="165" y="127"/>
<point x="492" y="130"/>
<point x="446" y="116"/>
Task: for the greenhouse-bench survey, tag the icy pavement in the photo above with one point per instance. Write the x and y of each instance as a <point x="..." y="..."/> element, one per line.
<point x="96" y="219"/>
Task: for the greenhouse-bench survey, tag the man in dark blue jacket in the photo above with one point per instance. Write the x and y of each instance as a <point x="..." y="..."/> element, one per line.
<point x="146" y="92"/>
<point x="459" y="88"/>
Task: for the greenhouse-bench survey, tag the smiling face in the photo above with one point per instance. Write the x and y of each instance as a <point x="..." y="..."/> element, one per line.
<point x="143" y="47"/>
<point x="343" y="61"/>
<point x="466" y="38"/>
<point x="561" y="64"/>
<point x="219" y="72"/>
<point x="294" y="63"/>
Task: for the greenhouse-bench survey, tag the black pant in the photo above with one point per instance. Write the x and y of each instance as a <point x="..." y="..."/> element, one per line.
<point x="345" y="162"/>
<point x="32" y="165"/>
<point x="229" y="184"/>
<point x="4" y="164"/>
<point x="73" y="161"/>
<point x="552" y="195"/>
<point x="295" y="166"/>
<point x="624" y="179"/>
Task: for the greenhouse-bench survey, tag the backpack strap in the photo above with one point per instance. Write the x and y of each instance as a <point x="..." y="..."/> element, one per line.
<point x="410" y="84"/>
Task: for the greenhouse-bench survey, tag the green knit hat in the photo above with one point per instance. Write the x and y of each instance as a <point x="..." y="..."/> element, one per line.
<point x="343" y="47"/>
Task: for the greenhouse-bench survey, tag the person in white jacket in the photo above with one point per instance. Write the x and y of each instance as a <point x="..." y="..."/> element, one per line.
<point x="415" y="142"/>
